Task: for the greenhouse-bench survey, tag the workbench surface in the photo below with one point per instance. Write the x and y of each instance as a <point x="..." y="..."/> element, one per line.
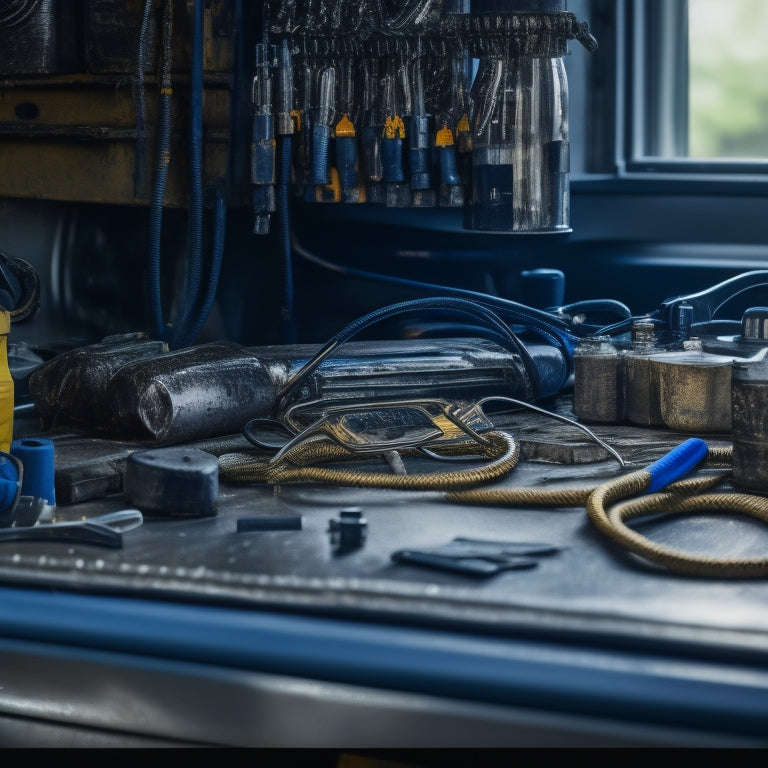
<point x="588" y="585"/>
<point x="587" y="597"/>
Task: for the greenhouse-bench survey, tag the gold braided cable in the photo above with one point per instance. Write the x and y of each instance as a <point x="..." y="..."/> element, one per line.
<point x="679" y="560"/>
<point x="719" y="456"/>
<point x="614" y="504"/>
<point x="577" y="496"/>
<point x="523" y="497"/>
<point x="502" y="448"/>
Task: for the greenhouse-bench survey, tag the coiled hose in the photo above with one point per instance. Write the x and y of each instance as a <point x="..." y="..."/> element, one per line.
<point x="651" y="491"/>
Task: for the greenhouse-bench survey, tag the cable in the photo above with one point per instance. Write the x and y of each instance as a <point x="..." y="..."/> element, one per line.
<point x="195" y="244"/>
<point x="219" y="236"/>
<point x="661" y="488"/>
<point x="554" y="328"/>
<point x="163" y="160"/>
<point x="461" y="306"/>
<point x="283" y="203"/>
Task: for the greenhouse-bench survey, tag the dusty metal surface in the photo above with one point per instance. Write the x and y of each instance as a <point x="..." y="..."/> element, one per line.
<point x="589" y="588"/>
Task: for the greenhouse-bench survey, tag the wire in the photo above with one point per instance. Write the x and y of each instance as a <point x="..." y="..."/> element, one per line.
<point x="283" y="203"/>
<point x="219" y="236"/>
<point x="162" y="163"/>
<point x="461" y="306"/>
<point x="195" y="244"/>
<point x="553" y="328"/>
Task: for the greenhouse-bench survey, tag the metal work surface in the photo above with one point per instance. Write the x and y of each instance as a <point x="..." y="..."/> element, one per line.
<point x="300" y="644"/>
<point x="588" y="586"/>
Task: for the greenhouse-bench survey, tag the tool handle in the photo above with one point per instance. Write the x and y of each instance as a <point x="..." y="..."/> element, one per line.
<point x="676" y="464"/>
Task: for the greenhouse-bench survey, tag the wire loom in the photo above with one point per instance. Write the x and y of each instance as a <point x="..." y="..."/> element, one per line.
<point x="610" y="506"/>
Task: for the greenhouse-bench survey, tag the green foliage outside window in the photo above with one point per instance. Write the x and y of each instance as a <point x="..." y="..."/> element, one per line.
<point x="728" y="86"/>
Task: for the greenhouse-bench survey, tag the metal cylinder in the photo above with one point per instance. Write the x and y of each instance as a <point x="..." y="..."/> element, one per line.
<point x="749" y="417"/>
<point x="642" y="391"/>
<point x="598" y="382"/>
<point x="694" y="391"/>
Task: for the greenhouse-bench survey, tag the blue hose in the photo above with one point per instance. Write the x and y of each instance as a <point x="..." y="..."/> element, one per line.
<point x="289" y="329"/>
<point x="460" y="306"/>
<point x="219" y="236"/>
<point x="195" y="247"/>
<point x="161" y="177"/>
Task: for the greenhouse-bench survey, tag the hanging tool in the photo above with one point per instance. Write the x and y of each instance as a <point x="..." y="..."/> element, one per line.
<point x="321" y="129"/>
<point x="346" y="138"/>
<point x="285" y="130"/>
<point x="393" y="135"/>
<point x="422" y="194"/>
<point x="373" y="127"/>
<point x="262" y="143"/>
<point x="453" y="139"/>
<point x="324" y="175"/>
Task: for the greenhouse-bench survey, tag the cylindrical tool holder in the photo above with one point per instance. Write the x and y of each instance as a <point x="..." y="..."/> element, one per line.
<point x="37" y="458"/>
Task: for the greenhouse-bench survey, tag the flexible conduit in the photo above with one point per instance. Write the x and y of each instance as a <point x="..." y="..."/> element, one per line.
<point x="459" y="306"/>
<point x="195" y="234"/>
<point x="139" y="170"/>
<point x="161" y="174"/>
<point x="219" y="237"/>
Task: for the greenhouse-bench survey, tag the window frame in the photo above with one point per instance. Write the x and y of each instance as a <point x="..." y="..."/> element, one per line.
<point x="648" y="105"/>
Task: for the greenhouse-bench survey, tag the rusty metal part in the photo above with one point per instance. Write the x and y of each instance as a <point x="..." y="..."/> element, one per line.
<point x="598" y="382"/>
<point x="643" y="406"/>
<point x="694" y="391"/>
<point x="749" y="414"/>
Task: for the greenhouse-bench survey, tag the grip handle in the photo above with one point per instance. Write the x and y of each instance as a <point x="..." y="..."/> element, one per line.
<point x="676" y="464"/>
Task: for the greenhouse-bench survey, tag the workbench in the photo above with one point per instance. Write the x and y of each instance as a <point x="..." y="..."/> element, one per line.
<point x="195" y="633"/>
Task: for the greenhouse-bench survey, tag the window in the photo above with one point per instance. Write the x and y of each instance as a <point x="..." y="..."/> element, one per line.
<point x="728" y="79"/>
<point x="696" y="86"/>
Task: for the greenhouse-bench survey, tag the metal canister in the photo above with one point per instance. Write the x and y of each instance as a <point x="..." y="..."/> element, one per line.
<point x="598" y="382"/>
<point x="749" y="417"/>
<point x="694" y="390"/>
<point x="642" y="390"/>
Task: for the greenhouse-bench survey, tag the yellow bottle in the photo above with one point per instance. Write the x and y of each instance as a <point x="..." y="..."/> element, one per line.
<point x="6" y="385"/>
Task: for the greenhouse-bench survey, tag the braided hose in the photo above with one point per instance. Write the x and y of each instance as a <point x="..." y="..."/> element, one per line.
<point x="300" y="465"/>
<point x="612" y="505"/>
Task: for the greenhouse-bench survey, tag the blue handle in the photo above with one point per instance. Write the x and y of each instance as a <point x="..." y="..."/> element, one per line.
<point x="392" y="160"/>
<point x="346" y="162"/>
<point x="676" y="464"/>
